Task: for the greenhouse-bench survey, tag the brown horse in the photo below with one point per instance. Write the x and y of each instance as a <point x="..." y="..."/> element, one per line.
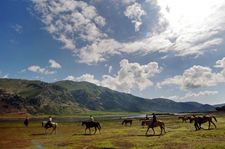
<point x="184" y="118"/>
<point x="127" y="121"/>
<point x="90" y="125"/>
<point x="159" y="123"/>
<point x="204" y="119"/>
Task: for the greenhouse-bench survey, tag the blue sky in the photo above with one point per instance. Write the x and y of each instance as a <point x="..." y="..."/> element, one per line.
<point x="149" y="48"/>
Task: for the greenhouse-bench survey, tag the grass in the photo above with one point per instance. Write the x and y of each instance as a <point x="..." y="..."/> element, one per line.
<point x="114" y="135"/>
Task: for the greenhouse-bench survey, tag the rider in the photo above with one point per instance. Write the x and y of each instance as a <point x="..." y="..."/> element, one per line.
<point x="154" y="120"/>
<point x="147" y="118"/>
<point x="196" y="123"/>
<point x="91" y="118"/>
<point x="49" y="123"/>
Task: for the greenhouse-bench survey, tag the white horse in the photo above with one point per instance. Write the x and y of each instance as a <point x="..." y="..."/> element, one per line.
<point x="53" y="125"/>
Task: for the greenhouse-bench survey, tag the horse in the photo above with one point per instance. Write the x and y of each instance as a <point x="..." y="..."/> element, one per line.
<point x="90" y="124"/>
<point x="127" y="121"/>
<point x="159" y="123"/>
<point x="184" y="118"/>
<point x="204" y="119"/>
<point x="53" y="125"/>
<point x="145" y="118"/>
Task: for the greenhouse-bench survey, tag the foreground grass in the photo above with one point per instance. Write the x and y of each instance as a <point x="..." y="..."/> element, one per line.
<point x="114" y="135"/>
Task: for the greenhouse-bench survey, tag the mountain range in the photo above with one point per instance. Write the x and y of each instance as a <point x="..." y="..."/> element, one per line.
<point x="69" y="97"/>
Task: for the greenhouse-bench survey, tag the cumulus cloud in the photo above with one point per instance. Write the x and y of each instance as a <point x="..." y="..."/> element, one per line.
<point x="196" y="77"/>
<point x="6" y="76"/>
<point x="135" y="12"/>
<point x="131" y="75"/>
<point x="191" y="95"/>
<point x="88" y="78"/>
<point x="177" y="29"/>
<point x="38" y="69"/>
<point x="54" y="64"/>
<point x="71" y="78"/>
<point x="67" y="19"/>
<point x="220" y="63"/>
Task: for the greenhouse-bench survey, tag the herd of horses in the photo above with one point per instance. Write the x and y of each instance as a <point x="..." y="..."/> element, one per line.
<point x="148" y="122"/>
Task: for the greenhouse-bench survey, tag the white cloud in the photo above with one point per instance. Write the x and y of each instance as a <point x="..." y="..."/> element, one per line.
<point x="194" y="77"/>
<point x="192" y="95"/>
<point x="35" y="68"/>
<point x="220" y="63"/>
<point x="135" y="12"/>
<point x="131" y="75"/>
<point x="6" y="76"/>
<point x="88" y="78"/>
<point x="54" y="64"/>
<point x="71" y="78"/>
<point x="197" y="77"/>
<point x="18" y="28"/>
<point x="110" y="69"/>
<point x="38" y="69"/>
<point x="128" y="1"/>
<point x="178" y="31"/>
<point x="70" y="20"/>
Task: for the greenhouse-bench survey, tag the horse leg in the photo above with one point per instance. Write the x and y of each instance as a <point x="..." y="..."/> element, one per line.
<point x="99" y="128"/>
<point x="89" y="130"/>
<point x="214" y="124"/>
<point x="147" y="131"/>
<point x="95" y="130"/>
<point x="209" y="124"/>
<point x="85" y="130"/>
<point x="161" y="130"/>
<point x="153" y="130"/>
<point x="52" y="130"/>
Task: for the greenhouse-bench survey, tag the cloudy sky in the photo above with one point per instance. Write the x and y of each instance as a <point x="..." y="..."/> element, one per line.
<point x="149" y="48"/>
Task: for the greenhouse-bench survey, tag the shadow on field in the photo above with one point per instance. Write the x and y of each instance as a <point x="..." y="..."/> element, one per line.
<point x="38" y="134"/>
<point x="83" y="134"/>
<point x="150" y="135"/>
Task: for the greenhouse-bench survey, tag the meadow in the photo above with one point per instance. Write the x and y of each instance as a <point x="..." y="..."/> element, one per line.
<point x="114" y="135"/>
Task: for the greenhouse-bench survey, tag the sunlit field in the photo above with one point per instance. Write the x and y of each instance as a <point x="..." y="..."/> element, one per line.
<point x="114" y="135"/>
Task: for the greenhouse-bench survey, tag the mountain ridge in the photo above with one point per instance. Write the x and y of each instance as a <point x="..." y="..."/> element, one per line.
<point x="69" y="97"/>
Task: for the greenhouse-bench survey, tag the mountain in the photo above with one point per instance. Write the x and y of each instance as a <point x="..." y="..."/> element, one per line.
<point x="69" y="97"/>
<point x="219" y="105"/>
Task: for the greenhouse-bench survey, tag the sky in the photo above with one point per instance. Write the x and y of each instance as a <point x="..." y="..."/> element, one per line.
<point x="148" y="48"/>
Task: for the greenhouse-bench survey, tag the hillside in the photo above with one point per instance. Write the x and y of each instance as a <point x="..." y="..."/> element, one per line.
<point x="68" y="97"/>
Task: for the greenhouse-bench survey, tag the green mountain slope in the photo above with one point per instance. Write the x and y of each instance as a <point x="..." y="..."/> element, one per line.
<point x="68" y="97"/>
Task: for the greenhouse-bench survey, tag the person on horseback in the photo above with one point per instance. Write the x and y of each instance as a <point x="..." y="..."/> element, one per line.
<point x="49" y="123"/>
<point x="91" y="118"/>
<point x="196" y="123"/>
<point x="147" y="118"/>
<point x="154" y="120"/>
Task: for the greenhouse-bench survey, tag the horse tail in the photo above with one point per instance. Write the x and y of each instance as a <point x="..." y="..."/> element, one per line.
<point x="214" y="118"/>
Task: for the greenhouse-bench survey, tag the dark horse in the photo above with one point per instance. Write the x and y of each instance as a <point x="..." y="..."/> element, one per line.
<point x="53" y="125"/>
<point x="90" y="125"/>
<point x="184" y="118"/>
<point x="127" y="121"/>
<point x="204" y="119"/>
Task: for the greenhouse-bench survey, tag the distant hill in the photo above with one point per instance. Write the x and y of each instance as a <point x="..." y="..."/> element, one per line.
<point x="219" y="105"/>
<point x="69" y="97"/>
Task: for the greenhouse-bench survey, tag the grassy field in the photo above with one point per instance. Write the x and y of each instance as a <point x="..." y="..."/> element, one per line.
<point x="114" y="135"/>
